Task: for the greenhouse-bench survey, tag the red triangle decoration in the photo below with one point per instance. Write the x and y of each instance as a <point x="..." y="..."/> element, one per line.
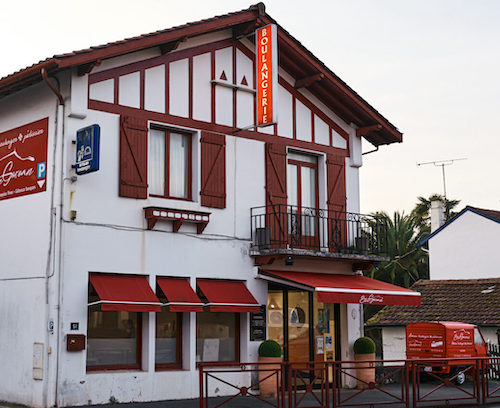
<point x="244" y="81"/>
<point x="223" y="76"/>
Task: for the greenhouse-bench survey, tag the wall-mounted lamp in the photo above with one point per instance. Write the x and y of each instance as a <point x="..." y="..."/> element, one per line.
<point x="289" y="261"/>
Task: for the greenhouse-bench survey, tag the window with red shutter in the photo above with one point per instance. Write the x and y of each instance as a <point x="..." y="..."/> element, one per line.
<point x="133" y="157"/>
<point x="213" y="170"/>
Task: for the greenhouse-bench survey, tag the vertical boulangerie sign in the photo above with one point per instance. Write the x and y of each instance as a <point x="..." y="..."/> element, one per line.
<point x="23" y="160"/>
<point x="267" y="74"/>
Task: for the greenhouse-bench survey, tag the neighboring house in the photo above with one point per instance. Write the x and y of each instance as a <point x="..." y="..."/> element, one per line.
<point x="475" y="301"/>
<point x="115" y="283"/>
<point x="464" y="285"/>
<point x="466" y="246"/>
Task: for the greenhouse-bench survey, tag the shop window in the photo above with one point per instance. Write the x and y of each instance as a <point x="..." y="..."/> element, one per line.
<point x="114" y="338"/>
<point x="217" y="336"/>
<point x="168" y="344"/>
<point x="169" y="163"/>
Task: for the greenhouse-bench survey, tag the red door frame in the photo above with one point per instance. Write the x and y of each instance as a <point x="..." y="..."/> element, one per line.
<point x="309" y="240"/>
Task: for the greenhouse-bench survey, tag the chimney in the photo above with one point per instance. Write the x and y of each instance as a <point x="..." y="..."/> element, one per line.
<point x="437" y="214"/>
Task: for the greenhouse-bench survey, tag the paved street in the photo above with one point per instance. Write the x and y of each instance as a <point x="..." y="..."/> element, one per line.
<point x="386" y="396"/>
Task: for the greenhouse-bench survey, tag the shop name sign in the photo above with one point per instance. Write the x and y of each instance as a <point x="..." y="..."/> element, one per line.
<point x="267" y="74"/>
<point x="370" y="299"/>
<point x="23" y="160"/>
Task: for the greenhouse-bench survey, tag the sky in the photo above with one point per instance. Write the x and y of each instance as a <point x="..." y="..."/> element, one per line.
<point x="432" y="67"/>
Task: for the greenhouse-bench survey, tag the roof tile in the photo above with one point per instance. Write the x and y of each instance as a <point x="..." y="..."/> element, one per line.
<point x="475" y="301"/>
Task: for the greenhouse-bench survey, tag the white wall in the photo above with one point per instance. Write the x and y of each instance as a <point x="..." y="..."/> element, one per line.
<point x="27" y="297"/>
<point x="466" y="249"/>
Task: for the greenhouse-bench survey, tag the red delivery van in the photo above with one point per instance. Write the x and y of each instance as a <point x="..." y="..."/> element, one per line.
<point x="445" y="340"/>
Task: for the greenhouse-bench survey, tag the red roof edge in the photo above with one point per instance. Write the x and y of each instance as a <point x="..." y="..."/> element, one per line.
<point x="25" y="77"/>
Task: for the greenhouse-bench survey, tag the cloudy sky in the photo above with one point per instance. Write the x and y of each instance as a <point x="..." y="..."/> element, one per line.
<point x="432" y="67"/>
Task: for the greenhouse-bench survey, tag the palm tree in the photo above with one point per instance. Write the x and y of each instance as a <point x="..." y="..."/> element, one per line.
<point x="408" y="261"/>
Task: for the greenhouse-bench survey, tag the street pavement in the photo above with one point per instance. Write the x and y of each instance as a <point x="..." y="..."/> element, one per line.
<point x="385" y="396"/>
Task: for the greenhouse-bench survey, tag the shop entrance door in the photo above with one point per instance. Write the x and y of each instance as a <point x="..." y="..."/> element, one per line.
<point x="299" y="341"/>
<point x="306" y="329"/>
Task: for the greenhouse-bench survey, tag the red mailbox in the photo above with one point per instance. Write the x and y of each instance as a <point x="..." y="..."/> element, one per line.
<point x="75" y="342"/>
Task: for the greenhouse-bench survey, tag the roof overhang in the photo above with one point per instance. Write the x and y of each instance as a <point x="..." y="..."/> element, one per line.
<point x="294" y="58"/>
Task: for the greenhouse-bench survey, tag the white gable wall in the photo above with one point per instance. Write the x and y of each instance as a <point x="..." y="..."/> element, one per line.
<point x="467" y="248"/>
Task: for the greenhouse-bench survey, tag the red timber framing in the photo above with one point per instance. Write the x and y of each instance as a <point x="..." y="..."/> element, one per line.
<point x="212" y="126"/>
<point x="294" y="58"/>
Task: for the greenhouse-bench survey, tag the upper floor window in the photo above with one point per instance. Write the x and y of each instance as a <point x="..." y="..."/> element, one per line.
<point x="169" y="163"/>
<point x="302" y="180"/>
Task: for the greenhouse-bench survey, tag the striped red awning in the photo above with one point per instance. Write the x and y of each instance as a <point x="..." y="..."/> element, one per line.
<point x="180" y="295"/>
<point x="228" y="296"/>
<point x="130" y="293"/>
<point x="339" y="288"/>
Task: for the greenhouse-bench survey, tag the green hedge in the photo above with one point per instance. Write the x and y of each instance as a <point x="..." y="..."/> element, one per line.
<point x="364" y="345"/>
<point x="269" y="348"/>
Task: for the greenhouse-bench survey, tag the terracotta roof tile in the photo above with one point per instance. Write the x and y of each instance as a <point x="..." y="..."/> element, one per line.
<point x="474" y="301"/>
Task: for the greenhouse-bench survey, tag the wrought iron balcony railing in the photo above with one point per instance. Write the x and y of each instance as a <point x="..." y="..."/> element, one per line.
<point x="291" y="227"/>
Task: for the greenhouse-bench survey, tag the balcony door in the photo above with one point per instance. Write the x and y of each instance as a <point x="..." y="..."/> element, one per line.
<point x="302" y="192"/>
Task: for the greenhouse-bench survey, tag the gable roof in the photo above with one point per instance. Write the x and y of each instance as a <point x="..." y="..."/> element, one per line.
<point x="294" y="58"/>
<point x="489" y="214"/>
<point x="475" y="301"/>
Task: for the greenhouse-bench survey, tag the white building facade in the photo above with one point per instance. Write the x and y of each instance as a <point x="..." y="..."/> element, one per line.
<point x="465" y="247"/>
<point x="115" y="283"/>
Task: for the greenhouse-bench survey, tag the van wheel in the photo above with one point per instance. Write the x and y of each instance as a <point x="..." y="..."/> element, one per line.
<point x="461" y="377"/>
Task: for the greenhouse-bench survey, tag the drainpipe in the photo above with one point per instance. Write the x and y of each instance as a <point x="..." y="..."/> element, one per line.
<point x="55" y="238"/>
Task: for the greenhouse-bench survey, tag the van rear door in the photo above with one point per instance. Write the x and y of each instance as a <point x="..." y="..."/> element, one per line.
<point x="425" y="340"/>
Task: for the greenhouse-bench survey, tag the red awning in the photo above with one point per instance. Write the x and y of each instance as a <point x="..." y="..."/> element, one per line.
<point x="336" y="288"/>
<point x="128" y="293"/>
<point x="180" y="295"/>
<point x="228" y="296"/>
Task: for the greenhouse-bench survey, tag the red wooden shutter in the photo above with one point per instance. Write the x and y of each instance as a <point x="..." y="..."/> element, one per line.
<point x="133" y="157"/>
<point x="336" y="201"/>
<point x="275" y="174"/>
<point x="213" y="170"/>
<point x="276" y="194"/>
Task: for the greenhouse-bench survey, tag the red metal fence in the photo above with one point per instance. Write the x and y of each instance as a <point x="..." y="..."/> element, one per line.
<point x="338" y="384"/>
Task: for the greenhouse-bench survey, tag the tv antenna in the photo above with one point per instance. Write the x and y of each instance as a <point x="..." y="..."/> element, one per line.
<point x="442" y="163"/>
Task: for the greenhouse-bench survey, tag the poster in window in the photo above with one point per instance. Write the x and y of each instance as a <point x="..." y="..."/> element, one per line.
<point x="320" y="345"/>
<point x="211" y="349"/>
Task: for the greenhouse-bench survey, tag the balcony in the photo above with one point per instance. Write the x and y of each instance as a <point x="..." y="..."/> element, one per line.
<point x="292" y="230"/>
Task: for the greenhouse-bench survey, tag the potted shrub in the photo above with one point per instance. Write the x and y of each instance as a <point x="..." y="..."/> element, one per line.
<point x="269" y="352"/>
<point x="364" y="350"/>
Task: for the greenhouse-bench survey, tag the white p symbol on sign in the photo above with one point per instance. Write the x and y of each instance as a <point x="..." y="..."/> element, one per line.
<point x="41" y="167"/>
